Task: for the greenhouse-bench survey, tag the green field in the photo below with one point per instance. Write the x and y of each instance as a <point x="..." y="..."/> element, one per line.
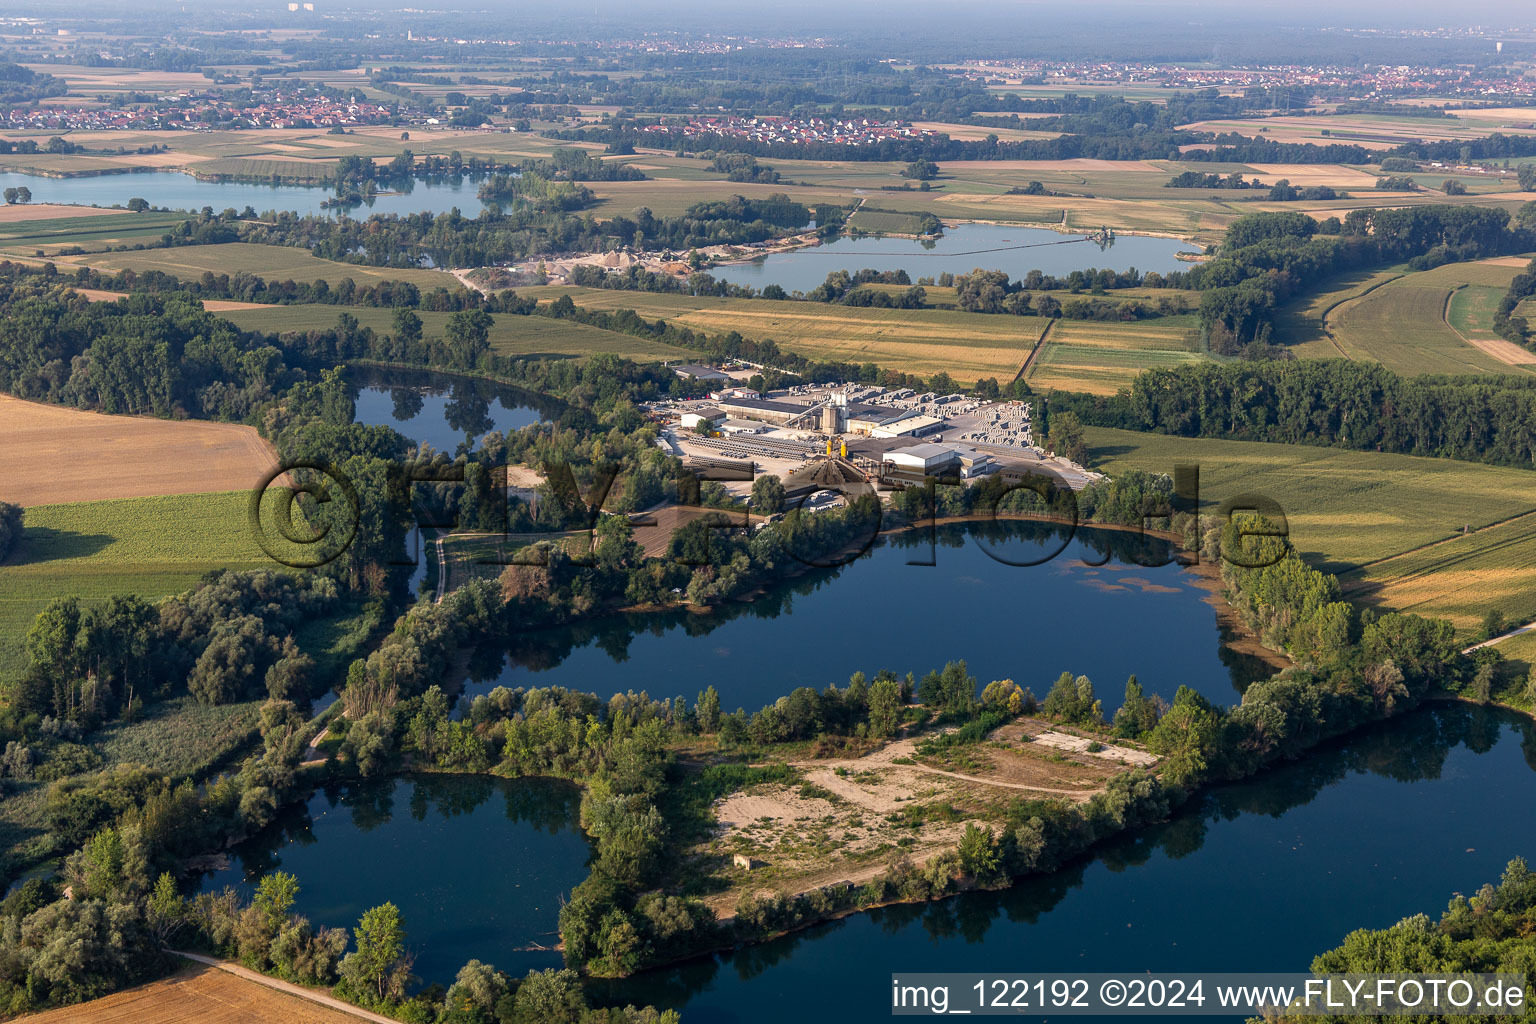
<point x="270" y="262"/>
<point x="27" y="238"/>
<point x="921" y="341"/>
<point x="1415" y="323"/>
<point x="1472" y="308"/>
<point x="883" y="222"/>
<point x="1359" y="514"/>
<point x="1101" y="357"/>
<point x="151" y="547"/>
<point x="533" y="336"/>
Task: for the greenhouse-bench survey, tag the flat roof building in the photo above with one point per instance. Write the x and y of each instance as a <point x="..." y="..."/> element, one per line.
<point x="925" y="459"/>
<point x="693" y="371"/>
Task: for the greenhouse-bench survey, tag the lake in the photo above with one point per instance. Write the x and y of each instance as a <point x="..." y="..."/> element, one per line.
<point x="176" y="191"/>
<point x="1255" y="876"/>
<point x="441" y="409"/>
<point x="1090" y="610"/>
<point x="477" y="865"/>
<point x="1259" y="876"/>
<point x="959" y="250"/>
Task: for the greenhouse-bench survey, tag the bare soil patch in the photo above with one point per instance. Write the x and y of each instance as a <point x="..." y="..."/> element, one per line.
<point x="849" y="818"/>
<point x="53" y="454"/>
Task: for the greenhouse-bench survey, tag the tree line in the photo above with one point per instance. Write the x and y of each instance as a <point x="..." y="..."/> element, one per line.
<point x="1506" y="322"/>
<point x="1335" y="403"/>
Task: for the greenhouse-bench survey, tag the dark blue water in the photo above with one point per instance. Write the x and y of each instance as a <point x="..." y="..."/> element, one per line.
<point x="477" y="865"/>
<point x="1028" y="624"/>
<point x="1255" y="877"/>
<point x="176" y="191"/>
<point x="959" y="250"/>
<point x="440" y="409"/>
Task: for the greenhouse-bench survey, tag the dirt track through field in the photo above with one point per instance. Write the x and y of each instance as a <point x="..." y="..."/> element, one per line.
<point x="54" y="454"/>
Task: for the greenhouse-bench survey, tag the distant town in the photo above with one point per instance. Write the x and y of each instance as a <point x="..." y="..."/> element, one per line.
<point x="852" y="131"/>
<point x="1366" y="81"/>
<point x="202" y="111"/>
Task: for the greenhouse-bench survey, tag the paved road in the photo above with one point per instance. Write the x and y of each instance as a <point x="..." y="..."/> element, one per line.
<point x="282" y="986"/>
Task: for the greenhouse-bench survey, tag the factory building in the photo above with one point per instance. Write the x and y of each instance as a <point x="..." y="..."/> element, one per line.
<point x="974" y="463"/>
<point x="764" y="409"/>
<point x="873" y="421"/>
<point x="923" y="460"/>
<point x="734" y="426"/>
<point x="691" y="371"/>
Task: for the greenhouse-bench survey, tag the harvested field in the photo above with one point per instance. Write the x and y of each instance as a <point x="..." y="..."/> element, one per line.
<point x="198" y="993"/>
<point x="55" y="454"/>
<point x="20" y="213"/>
<point x="1307" y="175"/>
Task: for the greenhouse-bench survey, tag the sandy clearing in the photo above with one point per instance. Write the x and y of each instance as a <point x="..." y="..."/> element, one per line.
<point x="54" y="454"/>
<point x="17" y="213"/>
<point x="1109" y="751"/>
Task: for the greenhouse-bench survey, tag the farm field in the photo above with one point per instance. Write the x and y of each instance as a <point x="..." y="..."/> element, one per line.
<point x="1402" y="322"/>
<point x="270" y="262"/>
<point x="883" y="222"/>
<point x="1460" y="578"/>
<point x="296" y="153"/>
<point x="150" y="547"/>
<point x="55" y="454"/>
<point x="922" y="341"/>
<point x="60" y="226"/>
<point x="514" y="335"/>
<point x="1351" y="512"/>
<point x="1101" y="357"/>
<point x="1373" y="131"/>
<point x="207" y="995"/>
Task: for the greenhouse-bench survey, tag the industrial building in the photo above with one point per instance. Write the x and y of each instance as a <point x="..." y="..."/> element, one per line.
<point x="922" y="460"/>
<point x="692" y="371"/>
<point x="701" y="420"/>
<point x="764" y="409"/>
<point x="875" y="421"/>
